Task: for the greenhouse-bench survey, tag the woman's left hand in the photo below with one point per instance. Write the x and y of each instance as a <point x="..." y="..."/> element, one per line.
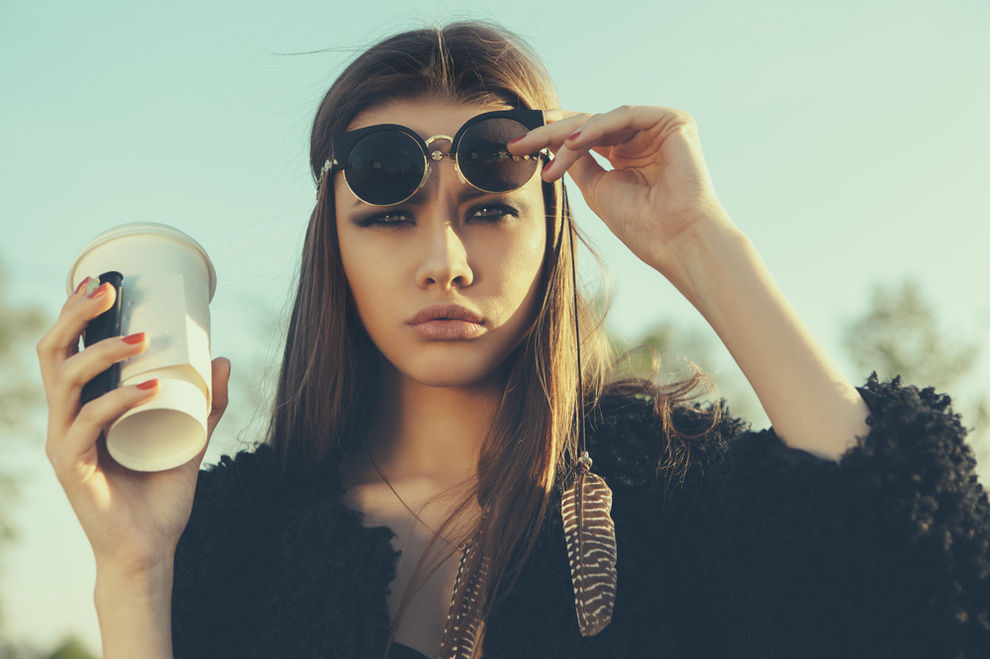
<point x="659" y="194"/>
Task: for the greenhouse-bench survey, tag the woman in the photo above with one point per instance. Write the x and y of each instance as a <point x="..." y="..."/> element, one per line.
<point x="419" y="489"/>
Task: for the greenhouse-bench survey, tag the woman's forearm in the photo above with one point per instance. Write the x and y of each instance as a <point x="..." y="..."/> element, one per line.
<point x="811" y="405"/>
<point x="135" y="613"/>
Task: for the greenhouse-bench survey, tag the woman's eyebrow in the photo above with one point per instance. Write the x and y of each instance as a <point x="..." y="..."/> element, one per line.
<point x="469" y="192"/>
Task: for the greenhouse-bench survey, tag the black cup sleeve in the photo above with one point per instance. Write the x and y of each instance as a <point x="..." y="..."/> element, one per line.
<point x="105" y="325"/>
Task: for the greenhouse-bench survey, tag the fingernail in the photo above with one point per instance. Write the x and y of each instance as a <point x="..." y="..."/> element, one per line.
<point x="150" y="384"/>
<point x="574" y="136"/>
<point x="137" y="337"/>
<point x="81" y="285"/>
<point x="549" y="164"/>
<point x="100" y="290"/>
<point x="515" y="140"/>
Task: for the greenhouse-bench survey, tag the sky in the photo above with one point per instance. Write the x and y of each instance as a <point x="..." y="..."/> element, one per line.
<point x="848" y="139"/>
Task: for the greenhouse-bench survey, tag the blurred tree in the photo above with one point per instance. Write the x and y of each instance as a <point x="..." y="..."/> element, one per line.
<point x="20" y="328"/>
<point x="20" y="398"/>
<point x="667" y="352"/>
<point x="19" y="650"/>
<point x="898" y="334"/>
<point x="664" y="350"/>
<point x="71" y="648"/>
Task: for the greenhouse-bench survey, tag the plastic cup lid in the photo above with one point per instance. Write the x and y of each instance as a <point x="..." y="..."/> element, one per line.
<point x="138" y="228"/>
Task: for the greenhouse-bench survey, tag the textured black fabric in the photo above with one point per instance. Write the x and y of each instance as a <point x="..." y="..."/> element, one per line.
<point x="762" y="551"/>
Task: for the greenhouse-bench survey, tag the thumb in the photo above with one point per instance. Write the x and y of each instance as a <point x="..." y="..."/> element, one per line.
<point x="586" y="173"/>
<point x="221" y="378"/>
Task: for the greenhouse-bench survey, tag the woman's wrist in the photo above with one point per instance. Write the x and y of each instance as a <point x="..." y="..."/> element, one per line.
<point x="135" y="610"/>
<point x="149" y="587"/>
<point x="151" y="580"/>
<point x="705" y="254"/>
<point x="135" y="570"/>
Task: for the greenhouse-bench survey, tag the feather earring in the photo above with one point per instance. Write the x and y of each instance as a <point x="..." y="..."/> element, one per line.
<point x="591" y="551"/>
<point x="460" y="631"/>
<point x="585" y="508"/>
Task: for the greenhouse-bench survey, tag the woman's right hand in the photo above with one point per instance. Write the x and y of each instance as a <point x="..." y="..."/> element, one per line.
<point x="133" y="519"/>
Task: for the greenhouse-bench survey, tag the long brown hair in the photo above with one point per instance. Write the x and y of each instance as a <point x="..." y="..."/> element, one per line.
<point x="327" y="381"/>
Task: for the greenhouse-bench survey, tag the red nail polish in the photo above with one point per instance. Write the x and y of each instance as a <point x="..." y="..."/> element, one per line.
<point x="515" y="140"/>
<point x="137" y="337"/>
<point x="549" y="164"/>
<point x="81" y="285"/>
<point x="574" y="136"/>
<point x="150" y="384"/>
<point x="100" y="290"/>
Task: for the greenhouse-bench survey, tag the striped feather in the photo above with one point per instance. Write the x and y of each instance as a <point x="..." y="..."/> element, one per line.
<point x="590" y="535"/>
<point x="461" y="628"/>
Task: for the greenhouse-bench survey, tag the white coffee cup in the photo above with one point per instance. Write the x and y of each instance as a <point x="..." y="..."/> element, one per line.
<point x="167" y="287"/>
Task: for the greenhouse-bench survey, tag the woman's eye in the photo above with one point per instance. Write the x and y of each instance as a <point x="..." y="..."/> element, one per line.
<point x="487" y="213"/>
<point x="492" y="212"/>
<point x="391" y="218"/>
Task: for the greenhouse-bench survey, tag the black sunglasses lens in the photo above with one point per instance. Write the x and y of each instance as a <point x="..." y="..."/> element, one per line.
<point x="485" y="161"/>
<point x="384" y="167"/>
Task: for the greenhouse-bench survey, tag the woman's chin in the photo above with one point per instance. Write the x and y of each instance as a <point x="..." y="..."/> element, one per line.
<point x="448" y="368"/>
<point x="452" y="378"/>
<point x="452" y="373"/>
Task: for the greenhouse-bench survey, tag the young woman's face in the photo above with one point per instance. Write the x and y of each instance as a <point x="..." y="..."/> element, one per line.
<point x="449" y="244"/>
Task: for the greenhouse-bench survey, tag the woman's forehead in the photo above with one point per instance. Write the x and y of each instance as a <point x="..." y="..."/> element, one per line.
<point x="426" y="116"/>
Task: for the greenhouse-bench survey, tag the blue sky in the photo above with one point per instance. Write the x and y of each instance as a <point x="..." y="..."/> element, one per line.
<point x="850" y="140"/>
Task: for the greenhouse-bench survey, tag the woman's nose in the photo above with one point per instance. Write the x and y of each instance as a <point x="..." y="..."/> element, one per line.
<point x="445" y="257"/>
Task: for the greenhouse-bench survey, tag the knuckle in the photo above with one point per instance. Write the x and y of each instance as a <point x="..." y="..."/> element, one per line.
<point x="55" y="459"/>
<point x="686" y="117"/>
<point x="52" y="454"/>
<point x="88" y="413"/>
<point x="44" y="345"/>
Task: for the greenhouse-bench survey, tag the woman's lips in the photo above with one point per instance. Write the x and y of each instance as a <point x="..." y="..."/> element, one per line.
<point x="448" y="330"/>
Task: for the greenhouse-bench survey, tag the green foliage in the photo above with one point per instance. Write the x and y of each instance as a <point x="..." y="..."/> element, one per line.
<point x="664" y="350"/>
<point x="20" y="397"/>
<point x="898" y="334"/>
<point x="20" y="329"/>
<point x="667" y="353"/>
<point x="71" y="648"/>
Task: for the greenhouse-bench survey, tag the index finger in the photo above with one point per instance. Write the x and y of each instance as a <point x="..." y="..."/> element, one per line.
<point x="61" y="341"/>
<point x="559" y="124"/>
<point x="559" y="114"/>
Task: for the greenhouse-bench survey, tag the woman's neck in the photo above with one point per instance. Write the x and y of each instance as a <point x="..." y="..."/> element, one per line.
<point x="434" y="433"/>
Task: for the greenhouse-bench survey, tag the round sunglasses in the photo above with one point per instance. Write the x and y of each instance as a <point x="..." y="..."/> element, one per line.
<point x="386" y="164"/>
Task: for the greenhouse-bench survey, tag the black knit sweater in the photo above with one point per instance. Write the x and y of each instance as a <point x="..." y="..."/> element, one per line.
<point x="763" y="551"/>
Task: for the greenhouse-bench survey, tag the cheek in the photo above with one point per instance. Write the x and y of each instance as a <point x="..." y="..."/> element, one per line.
<point x="369" y="279"/>
<point x="523" y="268"/>
<point x="517" y="270"/>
